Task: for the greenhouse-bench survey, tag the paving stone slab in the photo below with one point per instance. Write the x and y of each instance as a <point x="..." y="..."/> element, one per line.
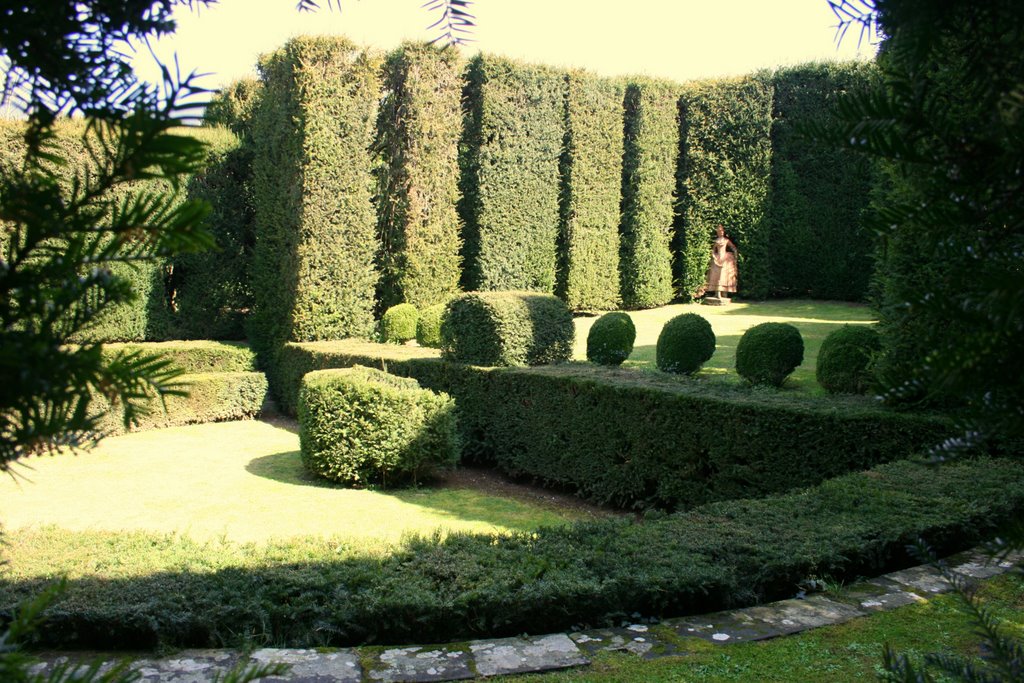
<point x="416" y="664"/>
<point x="793" y="616"/>
<point x="643" y="643"/>
<point x="311" y="666"/>
<point x="923" y="580"/>
<point x="522" y="655"/>
<point x="723" y="627"/>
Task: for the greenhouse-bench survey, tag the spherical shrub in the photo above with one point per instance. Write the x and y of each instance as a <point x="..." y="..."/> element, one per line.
<point x="361" y="426"/>
<point x="768" y="353"/>
<point x="507" y="329"/>
<point x="428" y="327"/>
<point x="686" y="342"/>
<point x="398" y="324"/>
<point x="611" y="338"/>
<point x="844" y="359"/>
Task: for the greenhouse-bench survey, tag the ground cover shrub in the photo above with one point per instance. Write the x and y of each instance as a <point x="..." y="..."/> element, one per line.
<point x="685" y="343"/>
<point x="768" y="353"/>
<point x="637" y="440"/>
<point x="511" y="147"/>
<point x="725" y="132"/>
<point x="171" y="591"/>
<point x="506" y="329"/>
<point x="417" y="138"/>
<point x="591" y="176"/>
<point x="844" y="361"/>
<point x="428" y="326"/>
<point x="821" y="247"/>
<point x="359" y="426"/>
<point x="398" y="324"/>
<point x="610" y="340"/>
<point x="650" y="155"/>
<point x="312" y="272"/>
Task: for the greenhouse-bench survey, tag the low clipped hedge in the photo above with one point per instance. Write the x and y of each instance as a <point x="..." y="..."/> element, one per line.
<point x="685" y="343"/>
<point x="611" y="337"/>
<point x="769" y="353"/>
<point x="212" y="397"/>
<point x="220" y="379"/>
<point x="361" y="426"/>
<point x="428" y="326"/>
<point x="507" y="329"/>
<point x="844" y="360"/>
<point x="398" y="324"/>
<point x="640" y="439"/>
<point x="723" y="555"/>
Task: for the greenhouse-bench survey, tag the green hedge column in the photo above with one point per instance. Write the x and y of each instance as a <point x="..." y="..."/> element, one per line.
<point x="588" y="258"/>
<point x="820" y="247"/>
<point x="313" y="269"/>
<point x="648" y="183"/>
<point x="418" y="129"/>
<point x="725" y="128"/>
<point x="511" y="147"/>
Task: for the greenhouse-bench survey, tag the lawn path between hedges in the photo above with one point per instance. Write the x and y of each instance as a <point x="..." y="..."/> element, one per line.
<point x="814" y="319"/>
<point x="242" y="482"/>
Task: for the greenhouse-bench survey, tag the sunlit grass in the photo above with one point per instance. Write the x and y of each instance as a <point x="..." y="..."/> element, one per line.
<point x="240" y="482"/>
<point x="814" y="319"/>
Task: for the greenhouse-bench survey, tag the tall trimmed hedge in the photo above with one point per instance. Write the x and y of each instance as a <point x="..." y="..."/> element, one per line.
<point x="819" y="245"/>
<point x="725" y="128"/>
<point x="511" y="145"/>
<point x="651" y="151"/>
<point x="418" y="181"/>
<point x="588" y="244"/>
<point x="313" y="273"/>
<point x="150" y="315"/>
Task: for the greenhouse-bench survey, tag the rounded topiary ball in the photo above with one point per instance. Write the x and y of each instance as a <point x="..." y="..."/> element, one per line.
<point x="685" y="343"/>
<point x="610" y="340"/>
<point x="844" y="359"/>
<point x="398" y="324"/>
<point x="769" y="352"/>
<point x="428" y="327"/>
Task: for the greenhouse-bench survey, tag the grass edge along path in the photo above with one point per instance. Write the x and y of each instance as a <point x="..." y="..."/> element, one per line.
<point x="720" y="555"/>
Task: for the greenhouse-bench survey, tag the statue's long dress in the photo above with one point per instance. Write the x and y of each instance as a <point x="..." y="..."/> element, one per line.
<point x="722" y="269"/>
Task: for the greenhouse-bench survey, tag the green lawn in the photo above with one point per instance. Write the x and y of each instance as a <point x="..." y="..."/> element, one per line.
<point x="814" y="319"/>
<point x="847" y="652"/>
<point x="242" y="482"/>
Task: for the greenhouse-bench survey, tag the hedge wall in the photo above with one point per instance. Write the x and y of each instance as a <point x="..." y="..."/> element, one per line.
<point x="819" y="245"/>
<point x="725" y="128"/>
<point x="300" y="593"/>
<point x="650" y="155"/>
<point x="211" y="290"/>
<point x="636" y="439"/>
<point x="313" y="274"/>
<point x="511" y="145"/>
<point x="149" y="315"/>
<point x="588" y="239"/>
<point x="418" y="181"/>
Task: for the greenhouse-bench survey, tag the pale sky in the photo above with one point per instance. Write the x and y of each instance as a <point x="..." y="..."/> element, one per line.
<point x="677" y="39"/>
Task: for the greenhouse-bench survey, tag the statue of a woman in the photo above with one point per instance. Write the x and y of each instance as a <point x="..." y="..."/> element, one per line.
<point x="722" y="268"/>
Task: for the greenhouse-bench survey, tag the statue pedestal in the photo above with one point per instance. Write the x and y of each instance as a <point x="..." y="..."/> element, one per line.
<point x="716" y="301"/>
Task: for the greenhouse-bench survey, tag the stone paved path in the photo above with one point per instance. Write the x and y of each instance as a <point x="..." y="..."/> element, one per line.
<point x="485" y="658"/>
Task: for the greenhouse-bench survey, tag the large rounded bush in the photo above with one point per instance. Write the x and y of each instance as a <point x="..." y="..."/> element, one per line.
<point x="507" y="329"/>
<point x="428" y="327"/>
<point x="768" y="353"/>
<point x="845" y="357"/>
<point x="398" y="324"/>
<point x="610" y="340"/>
<point x="361" y="426"/>
<point x="686" y="342"/>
